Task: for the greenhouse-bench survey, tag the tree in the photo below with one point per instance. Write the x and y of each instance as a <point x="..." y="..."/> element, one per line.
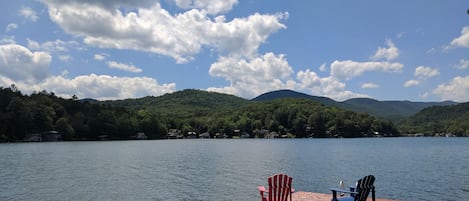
<point x="63" y="127"/>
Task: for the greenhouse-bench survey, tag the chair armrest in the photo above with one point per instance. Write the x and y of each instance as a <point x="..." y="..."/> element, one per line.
<point x="261" y="189"/>
<point x="335" y="190"/>
<point x="341" y="190"/>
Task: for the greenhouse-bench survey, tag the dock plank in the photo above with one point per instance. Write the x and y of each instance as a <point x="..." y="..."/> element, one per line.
<point x="308" y="196"/>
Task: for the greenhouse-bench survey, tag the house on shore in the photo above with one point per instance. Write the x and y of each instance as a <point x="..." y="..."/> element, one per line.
<point x="174" y="134"/>
<point x="139" y="136"/>
<point x="47" y="136"/>
<point x="204" y="135"/>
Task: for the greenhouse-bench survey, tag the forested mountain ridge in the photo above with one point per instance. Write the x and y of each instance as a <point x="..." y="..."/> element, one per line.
<point x="187" y="111"/>
<point x="389" y="110"/>
<point x="285" y="93"/>
<point x="183" y="104"/>
<point x="439" y="120"/>
<point x="197" y="111"/>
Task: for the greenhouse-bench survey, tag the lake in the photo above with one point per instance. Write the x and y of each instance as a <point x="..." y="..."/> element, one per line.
<point x="213" y="170"/>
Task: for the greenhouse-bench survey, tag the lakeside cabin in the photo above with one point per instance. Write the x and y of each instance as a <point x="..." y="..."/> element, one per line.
<point x="47" y="136"/>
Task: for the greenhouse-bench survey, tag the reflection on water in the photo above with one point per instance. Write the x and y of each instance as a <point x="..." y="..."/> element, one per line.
<point x="405" y="168"/>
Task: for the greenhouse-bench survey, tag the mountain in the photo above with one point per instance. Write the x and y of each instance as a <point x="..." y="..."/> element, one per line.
<point x="286" y="93"/>
<point x="449" y="119"/>
<point x="389" y="110"/>
<point x="185" y="102"/>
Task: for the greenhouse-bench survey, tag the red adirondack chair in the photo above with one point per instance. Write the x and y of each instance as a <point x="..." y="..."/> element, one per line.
<point x="280" y="188"/>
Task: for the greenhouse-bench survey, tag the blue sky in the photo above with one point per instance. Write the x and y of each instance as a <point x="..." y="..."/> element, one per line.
<point x="116" y="49"/>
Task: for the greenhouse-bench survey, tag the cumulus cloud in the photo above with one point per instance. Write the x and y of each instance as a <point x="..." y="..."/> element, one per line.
<point x="101" y="56"/>
<point x="7" y="40"/>
<point x="19" y="63"/>
<point x="11" y="27"/>
<point x="101" y="87"/>
<point x="423" y="72"/>
<point x="346" y="70"/>
<point x="211" y="6"/>
<point x="106" y="4"/>
<point x="104" y="87"/>
<point x="327" y="86"/>
<point x="30" y="72"/>
<point x="457" y="89"/>
<point x="28" y="13"/>
<point x="153" y="29"/>
<point x="124" y="67"/>
<point x="463" y="64"/>
<point x="65" y="58"/>
<point x="323" y="68"/>
<point x="252" y="77"/>
<point x="411" y="83"/>
<point x="53" y="46"/>
<point x="369" y="85"/>
<point x="463" y="40"/>
<point x="389" y="53"/>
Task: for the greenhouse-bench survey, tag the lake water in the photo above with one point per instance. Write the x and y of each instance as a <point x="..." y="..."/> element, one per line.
<point x="213" y="170"/>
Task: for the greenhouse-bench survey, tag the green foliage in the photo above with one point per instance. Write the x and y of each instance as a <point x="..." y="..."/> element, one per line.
<point x="388" y="110"/>
<point x="439" y="120"/>
<point x="187" y="111"/>
<point x="40" y="112"/>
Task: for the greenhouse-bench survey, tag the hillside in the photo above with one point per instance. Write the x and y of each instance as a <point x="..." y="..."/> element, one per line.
<point x="201" y="111"/>
<point x="185" y="103"/>
<point x="453" y="119"/>
<point x="389" y="110"/>
<point x="269" y="96"/>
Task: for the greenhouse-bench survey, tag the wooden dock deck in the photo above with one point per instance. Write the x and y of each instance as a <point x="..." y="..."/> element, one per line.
<point x="309" y="196"/>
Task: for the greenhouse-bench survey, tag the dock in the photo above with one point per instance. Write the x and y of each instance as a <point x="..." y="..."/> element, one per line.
<point x="308" y="196"/>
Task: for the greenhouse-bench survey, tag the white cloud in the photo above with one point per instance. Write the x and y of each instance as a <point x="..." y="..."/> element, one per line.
<point x="411" y="83"/>
<point x="28" y="13"/>
<point x="124" y="67"/>
<point x="101" y="87"/>
<point x="323" y="68"/>
<point x="211" y="6"/>
<point x="389" y="53"/>
<point x="370" y="85"/>
<point x="463" y="40"/>
<point x="423" y="72"/>
<point x="457" y="89"/>
<point x="249" y="78"/>
<point x="65" y="58"/>
<point x="106" y="4"/>
<point x="346" y="70"/>
<point x="101" y="56"/>
<point x="153" y="29"/>
<point x="327" y="86"/>
<point x="11" y="27"/>
<point x="400" y="35"/>
<point x="53" y="46"/>
<point x="30" y="72"/>
<point x="463" y="64"/>
<point x="7" y="40"/>
<point x="19" y="63"/>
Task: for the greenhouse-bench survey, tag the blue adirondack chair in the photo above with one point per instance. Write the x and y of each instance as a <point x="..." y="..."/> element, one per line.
<point x="357" y="193"/>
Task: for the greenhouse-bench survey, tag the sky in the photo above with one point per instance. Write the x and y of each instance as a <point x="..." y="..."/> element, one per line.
<point x="117" y="49"/>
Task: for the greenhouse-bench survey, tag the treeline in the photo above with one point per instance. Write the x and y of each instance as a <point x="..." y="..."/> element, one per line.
<point x="439" y="120"/>
<point x="300" y="118"/>
<point x="75" y="120"/>
<point x="186" y="111"/>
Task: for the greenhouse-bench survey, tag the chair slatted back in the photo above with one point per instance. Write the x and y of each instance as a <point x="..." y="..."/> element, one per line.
<point x="364" y="186"/>
<point x="279" y="187"/>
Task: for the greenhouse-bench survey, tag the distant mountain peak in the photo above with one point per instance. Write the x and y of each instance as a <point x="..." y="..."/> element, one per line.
<point x="391" y="110"/>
